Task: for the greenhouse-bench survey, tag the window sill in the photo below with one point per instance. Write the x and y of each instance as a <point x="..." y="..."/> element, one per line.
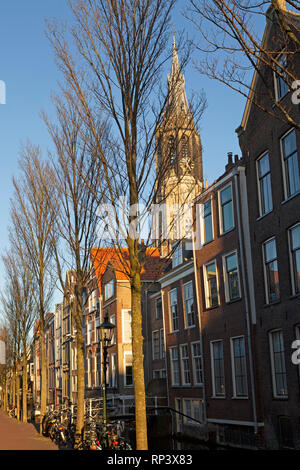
<point x="264" y="215"/>
<point x="280" y="398"/>
<point x="189" y="327"/>
<point x="218" y="398"/>
<point x="174" y="331"/>
<point x="272" y="303"/>
<point x="294" y="296"/>
<point x="207" y="243"/>
<point x="207" y="309"/>
<point x="279" y="98"/>
<point x="290" y="197"/>
<point x="229" y="302"/>
<point x="227" y="231"/>
<point x="239" y="398"/>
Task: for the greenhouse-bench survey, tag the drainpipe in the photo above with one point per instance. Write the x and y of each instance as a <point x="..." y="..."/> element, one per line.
<point x="165" y="345"/>
<point x="199" y="314"/>
<point x="246" y="299"/>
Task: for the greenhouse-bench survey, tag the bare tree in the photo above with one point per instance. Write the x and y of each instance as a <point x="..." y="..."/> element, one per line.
<point x="8" y="301"/>
<point x="74" y="228"/>
<point x="121" y="51"/>
<point x="31" y="233"/>
<point x="19" y="306"/>
<point x="234" y="41"/>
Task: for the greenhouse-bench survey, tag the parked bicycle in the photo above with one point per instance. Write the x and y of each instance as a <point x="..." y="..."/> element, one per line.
<point x="90" y="438"/>
<point x="110" y="438"/>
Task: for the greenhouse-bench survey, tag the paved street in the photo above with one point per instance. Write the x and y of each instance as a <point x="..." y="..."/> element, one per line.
<point x="19" y="436"/>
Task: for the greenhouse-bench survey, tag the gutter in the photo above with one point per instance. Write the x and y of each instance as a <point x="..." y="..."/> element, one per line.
<point x="238" y="170"/>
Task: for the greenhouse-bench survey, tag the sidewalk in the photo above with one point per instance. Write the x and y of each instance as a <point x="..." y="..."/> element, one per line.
<point x="19" y="436"/>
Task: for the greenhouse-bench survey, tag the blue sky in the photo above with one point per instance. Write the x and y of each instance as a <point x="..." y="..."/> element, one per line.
<point x="28" y="69"/>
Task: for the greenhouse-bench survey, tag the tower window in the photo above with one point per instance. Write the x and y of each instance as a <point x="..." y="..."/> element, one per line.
<point x="172" y="152"/>
<point x="184" y="148"/>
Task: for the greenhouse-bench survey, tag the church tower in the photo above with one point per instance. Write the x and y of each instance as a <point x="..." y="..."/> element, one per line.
<point x="178" y="161"/>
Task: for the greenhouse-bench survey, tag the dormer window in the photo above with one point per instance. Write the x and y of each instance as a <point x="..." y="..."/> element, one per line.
<point x="281" y="87"/>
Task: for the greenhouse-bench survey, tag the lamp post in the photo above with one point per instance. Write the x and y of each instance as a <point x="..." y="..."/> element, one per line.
<point x="106" y="330"/>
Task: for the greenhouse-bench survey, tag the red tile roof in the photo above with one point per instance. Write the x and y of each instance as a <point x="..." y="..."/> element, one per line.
<point x="118" y="258"/>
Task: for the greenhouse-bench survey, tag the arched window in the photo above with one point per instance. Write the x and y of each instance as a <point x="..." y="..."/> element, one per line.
<point x="158" y="151"/>
<point x="184" y="148"/>
<point x="172" y="152"/>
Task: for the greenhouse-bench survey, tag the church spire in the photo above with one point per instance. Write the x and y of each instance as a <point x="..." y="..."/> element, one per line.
<point x="176" y="83"/>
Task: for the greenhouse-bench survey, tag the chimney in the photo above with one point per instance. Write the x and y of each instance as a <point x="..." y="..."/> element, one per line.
<point x="236" y="158"/>
<point x="230" y="163"/>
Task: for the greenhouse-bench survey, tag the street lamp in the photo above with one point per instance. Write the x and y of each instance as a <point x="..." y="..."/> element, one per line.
<point x="106" y="331"/>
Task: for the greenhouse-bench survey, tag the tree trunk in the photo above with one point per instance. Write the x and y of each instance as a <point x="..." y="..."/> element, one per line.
<point x="138" y="361"/>
<point x="6" y="393"/>
<point x="13" y="387"/>
<point x="24" y="388"/>
<point x="80" y="357"/>
<point x="18" y="395"/>
<point x="80" y="382"/>
<point x="43" y="368"/>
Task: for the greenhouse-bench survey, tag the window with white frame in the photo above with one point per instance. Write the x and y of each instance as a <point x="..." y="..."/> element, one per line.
<point x="74" y="359"/>
<point x="239" y="370"/>
<point x="89" y="332"/>
<point x="187" y="410"/>
<point x="280" y="78"/>
<point x="74" y="383"/>
<point x="113" y="371"/>
<point x="126" y="320"/>
<point x="185" y="364"/>
<point x="271" y="271"/>
<point x="188" y="295"/>
<point x="264" y="184"/>
<point x="173" y="310"/>
<point x="162" y="343"/>
<point x="158" y="309"/>
<point x="108" y="366"/>
<point x="155" y="345"/>
<point x="294" y="243"/>
<point x="113" y="321"/>
<point x="177" y="255"/>
<point x="278" y="368"/>
<point x="232" y="281"/>
<point x="178" y="416"/>
<point x="156" y="374"/>
<point x="128" y="373"/>
<point x="197" y="363"/>
<point x="290" y="164"/>
<point x="98" y="367"/>
<point x="89" y="371"/>
<point x="175" y="379"/>
<point x="226" y="209"/>
<point x="218" y="377"/>
<point x="211" y="285"/>
<point x="207" y="223"/>
<point x="193" y="409"/>
<point x="93" y="300"/>
<point x="109" y="289"/>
